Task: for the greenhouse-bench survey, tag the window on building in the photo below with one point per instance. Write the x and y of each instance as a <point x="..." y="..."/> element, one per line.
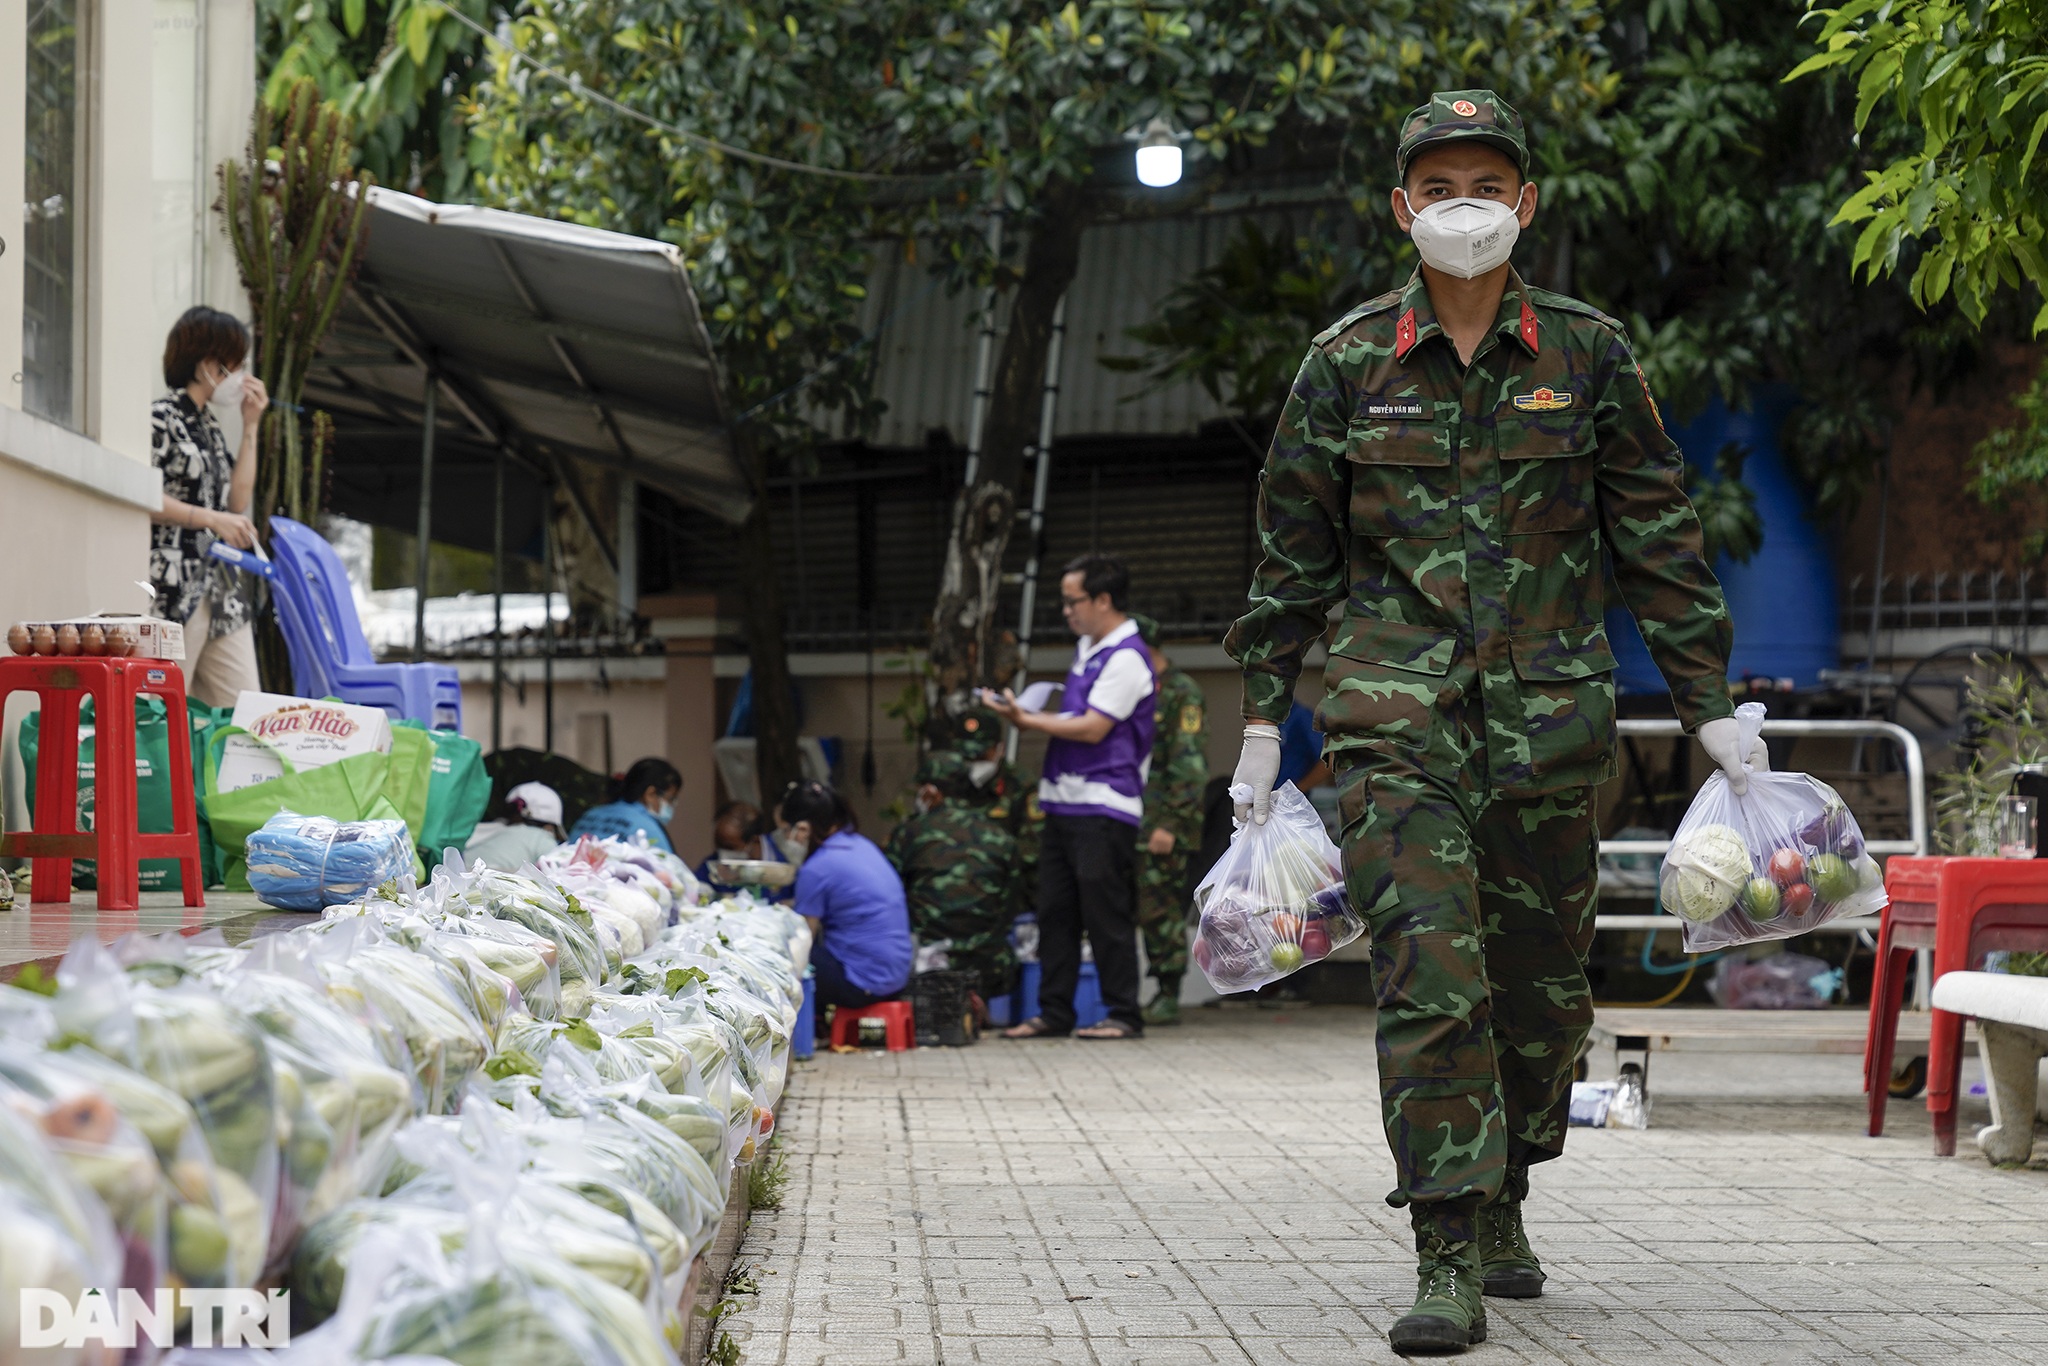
<point x="52" y="331"/>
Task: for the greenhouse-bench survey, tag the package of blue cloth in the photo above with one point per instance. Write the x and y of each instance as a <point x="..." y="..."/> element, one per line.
<point x="308" y="863"/>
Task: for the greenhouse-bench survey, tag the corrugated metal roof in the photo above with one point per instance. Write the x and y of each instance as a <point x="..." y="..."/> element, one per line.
<point x="925" y="356"/>
<point x="549" y="337"/>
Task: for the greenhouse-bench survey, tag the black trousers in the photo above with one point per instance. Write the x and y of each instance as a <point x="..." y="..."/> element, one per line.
<point x="833" y="986"/>
<point x="1087" y="881"/>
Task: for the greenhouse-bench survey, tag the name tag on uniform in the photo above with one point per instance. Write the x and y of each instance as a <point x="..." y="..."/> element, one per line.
<point x="1393" y="407"/>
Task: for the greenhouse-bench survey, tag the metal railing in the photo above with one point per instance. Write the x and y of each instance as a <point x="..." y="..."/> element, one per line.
<point x="1988" y="601"/>
<point x="1916" y="796"/>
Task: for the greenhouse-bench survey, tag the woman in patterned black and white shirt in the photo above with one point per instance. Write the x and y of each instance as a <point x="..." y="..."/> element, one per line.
<point x="207" y="493"/>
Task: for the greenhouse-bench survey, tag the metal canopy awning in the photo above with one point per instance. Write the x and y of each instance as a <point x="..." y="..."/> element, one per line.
<point x="553" y="344"/>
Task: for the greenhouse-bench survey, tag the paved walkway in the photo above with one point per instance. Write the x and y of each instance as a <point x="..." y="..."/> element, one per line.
<point x="1214" y="1195"/>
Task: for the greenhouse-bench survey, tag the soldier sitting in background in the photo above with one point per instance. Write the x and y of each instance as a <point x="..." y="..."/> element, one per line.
<point x="1001" y="789"/>
<point x="958" y="862"/>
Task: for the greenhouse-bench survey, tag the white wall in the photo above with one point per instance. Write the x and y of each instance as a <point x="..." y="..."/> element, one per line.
<point x="76" y="504"/>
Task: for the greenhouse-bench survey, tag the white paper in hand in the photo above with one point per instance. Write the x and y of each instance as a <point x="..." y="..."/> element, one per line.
<point x="1038" y="696"/>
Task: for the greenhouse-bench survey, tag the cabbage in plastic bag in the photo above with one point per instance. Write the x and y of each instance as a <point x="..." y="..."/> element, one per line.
<point x="1275" y="901"/>
<point x="1781" y="859"/>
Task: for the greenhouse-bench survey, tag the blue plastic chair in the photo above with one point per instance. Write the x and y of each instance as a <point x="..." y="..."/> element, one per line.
<point x="330" y="655"/>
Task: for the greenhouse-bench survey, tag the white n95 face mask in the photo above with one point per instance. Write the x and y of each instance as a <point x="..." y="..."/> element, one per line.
<point x="1465" y="237"/>
<point x="228" y="393"/>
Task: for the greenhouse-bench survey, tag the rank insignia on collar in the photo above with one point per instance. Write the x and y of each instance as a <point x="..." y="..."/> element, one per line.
<point x="1544" y="400"/>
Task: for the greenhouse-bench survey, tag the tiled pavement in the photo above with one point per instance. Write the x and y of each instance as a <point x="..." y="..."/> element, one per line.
<point x="1214" y="1194"/>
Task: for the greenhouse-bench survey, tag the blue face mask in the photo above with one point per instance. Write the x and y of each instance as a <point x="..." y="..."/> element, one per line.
<point x="665" y="813"/>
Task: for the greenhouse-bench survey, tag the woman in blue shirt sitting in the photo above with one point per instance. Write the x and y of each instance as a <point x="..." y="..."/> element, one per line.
<point x="643" y="803"/>
<point x="850" y="895"/>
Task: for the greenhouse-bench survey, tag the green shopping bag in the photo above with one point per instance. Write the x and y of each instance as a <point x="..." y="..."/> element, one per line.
<point x="353" y="789"/>
<point x="411" y="777"/>
<point x="457" y="792"/>
<point x="152" y="786"/>
<point x="205" y="720"/>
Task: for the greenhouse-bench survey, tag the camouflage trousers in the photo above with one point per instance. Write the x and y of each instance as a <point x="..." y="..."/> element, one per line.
<point x="1163" y="908"/>
<point x="1480" y="909"/>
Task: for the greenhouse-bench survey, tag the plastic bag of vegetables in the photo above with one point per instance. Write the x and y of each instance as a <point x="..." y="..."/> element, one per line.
<point x="424" y="997"/>
<point x="104" y="1154"/>
<point x="308" y="863"/>
<point x="577" y="1121"/>
<point x="587" y="1217"/>
<point x="1782" y="858"/>
<point x="192" y="1043"/>
<point x="536" y="905"/>
<point x="53" y="1236"/>
<point x="1275" y="901"/>
<point x="500" y="1297"/>
<point x="476" y="1180"/>
<point x="342" y="1095"/>
<point x="213" y="1226"/>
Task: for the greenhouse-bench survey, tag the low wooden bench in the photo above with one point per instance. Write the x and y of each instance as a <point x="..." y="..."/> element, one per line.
<point x="2012" y="1031"/>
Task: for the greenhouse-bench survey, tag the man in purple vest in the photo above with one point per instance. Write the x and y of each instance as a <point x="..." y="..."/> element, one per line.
<point x="1093" y="796"/>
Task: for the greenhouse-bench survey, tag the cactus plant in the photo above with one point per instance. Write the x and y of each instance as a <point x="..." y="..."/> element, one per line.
<point x="297" y="213"/>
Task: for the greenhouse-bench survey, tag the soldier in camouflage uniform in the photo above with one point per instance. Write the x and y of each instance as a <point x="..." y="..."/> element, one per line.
<point x="1456" y="460"/>
<point x="1000" y="788"/>
<point x="958" y="864"/>
<point x="1173" y="824"/>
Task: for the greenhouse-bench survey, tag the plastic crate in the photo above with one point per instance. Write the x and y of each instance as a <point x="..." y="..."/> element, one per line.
<point x="938" y="1003"/>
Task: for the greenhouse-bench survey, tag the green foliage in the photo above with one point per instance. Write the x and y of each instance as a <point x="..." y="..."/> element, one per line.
<point x="1729" y="521"/>
<point x="1695" y="204"/>
<point x="1700" y="213"/>
<point x="1972" y="79"/>
<point x="2014" y="460"/>
<point x="1239" y="327"/>
<point x="768" y="1179"/>
<point x="1025" y="102"/>
<point x="33" y="977"/>
<point x="779" y="260"/>
<point x="2005" y="726"/>
<point x="398" y="69"/>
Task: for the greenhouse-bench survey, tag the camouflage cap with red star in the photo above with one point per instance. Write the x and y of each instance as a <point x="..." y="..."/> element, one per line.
<point x="1452" y="115"/>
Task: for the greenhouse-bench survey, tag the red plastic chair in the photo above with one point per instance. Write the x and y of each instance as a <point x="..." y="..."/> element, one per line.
<point x="900" y="1032"/>
<point x="114" y="841"/>
<point x="1962" y="909"/>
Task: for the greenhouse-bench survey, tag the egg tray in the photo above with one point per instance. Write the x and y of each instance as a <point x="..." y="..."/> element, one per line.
<point x="114" y="637"/>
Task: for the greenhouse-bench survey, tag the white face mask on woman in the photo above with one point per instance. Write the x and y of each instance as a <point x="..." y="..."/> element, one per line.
<point x="1465" y="237"/>
<point x="227" y="391"/>
<point x="790" y="847"/>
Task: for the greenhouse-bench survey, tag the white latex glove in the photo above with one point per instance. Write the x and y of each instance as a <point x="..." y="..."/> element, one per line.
<point x="1258" y="768"/>
<point x="1722" y="740"/>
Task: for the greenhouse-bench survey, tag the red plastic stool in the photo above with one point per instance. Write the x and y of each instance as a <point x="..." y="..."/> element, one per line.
<point x="1962" y="908"/>
<point x="114" y="841"/>
<point x="894" y="1015"/>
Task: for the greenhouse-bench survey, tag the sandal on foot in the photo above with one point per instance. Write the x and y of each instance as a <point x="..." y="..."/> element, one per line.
<point x="1109" y="1029"/>
<point x="1034" y="1028"/>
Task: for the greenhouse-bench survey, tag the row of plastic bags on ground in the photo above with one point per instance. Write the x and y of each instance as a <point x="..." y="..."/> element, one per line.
<point x="493" y="1120"/>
